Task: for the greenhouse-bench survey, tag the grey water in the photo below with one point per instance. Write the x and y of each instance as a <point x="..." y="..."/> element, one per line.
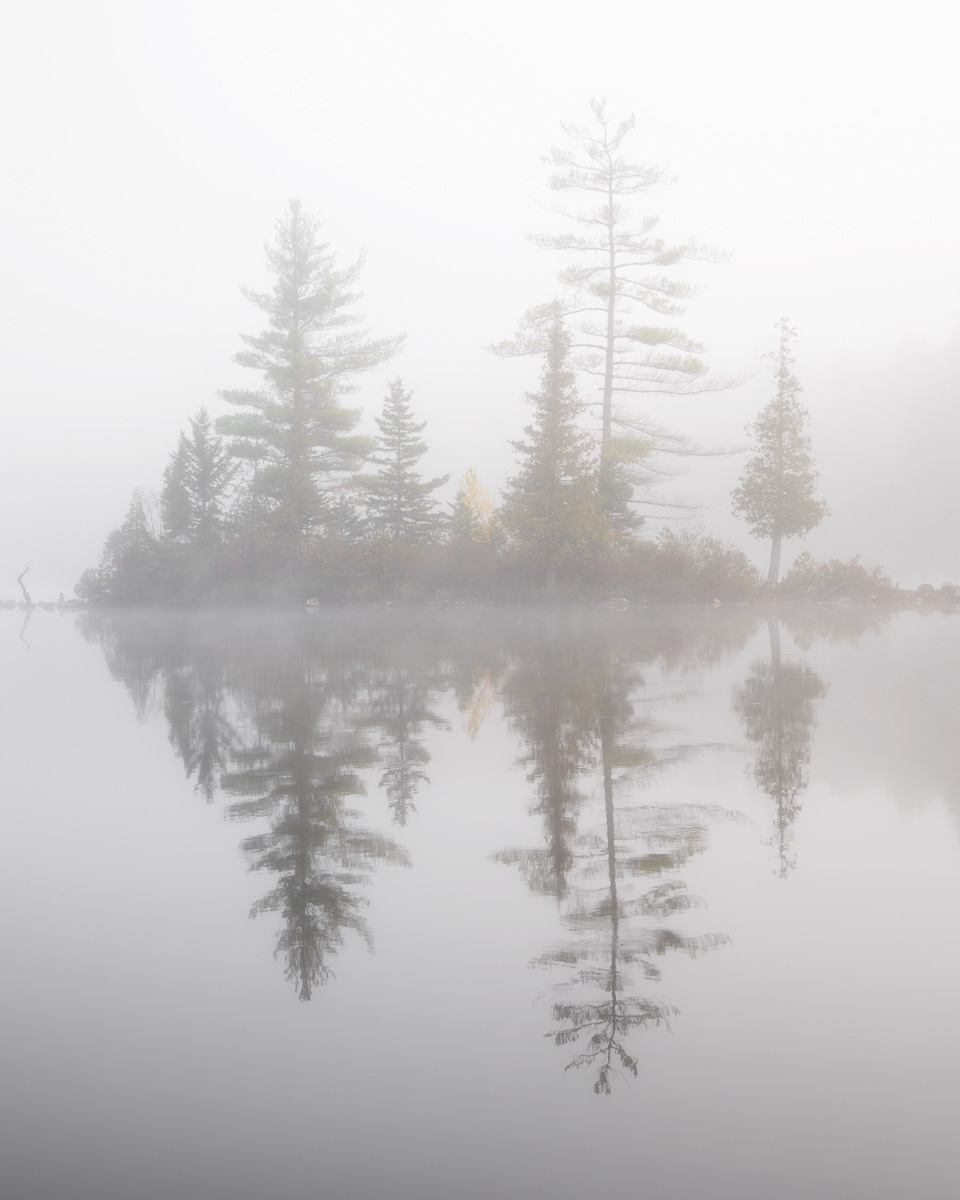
<point x="455" y="904"/>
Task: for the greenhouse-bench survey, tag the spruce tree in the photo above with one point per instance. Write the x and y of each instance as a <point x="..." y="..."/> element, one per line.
<point x="296" y="424"/>
<point x="552" y="507"/>
<point x="775" y="496"/>
<point x="398" y="500"/>
<point x="211" y="471"/>
<point x="195" y="484"/>
<point x="176" y="508"/>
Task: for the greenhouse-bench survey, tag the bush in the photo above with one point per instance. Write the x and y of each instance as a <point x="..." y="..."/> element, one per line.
<point x="851" y="580"/>
<point x="690" y="564"/>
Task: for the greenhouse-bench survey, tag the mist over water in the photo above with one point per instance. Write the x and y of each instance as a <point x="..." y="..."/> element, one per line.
<point x="469" y="902"/>
<point x="454" y="902"/>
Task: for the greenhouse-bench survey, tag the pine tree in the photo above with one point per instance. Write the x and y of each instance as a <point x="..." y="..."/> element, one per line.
<point x="195" y="484"/>
<point x="176" y="508"/>
<point x="211" y="471"/>
<point x="130" y="571"/>
<point x="398" y="500"/>
<point x="552" y="506"/>
<point x="620" y="272"/>
<point x="297" y="424"/>
<point x="775" y="496"/>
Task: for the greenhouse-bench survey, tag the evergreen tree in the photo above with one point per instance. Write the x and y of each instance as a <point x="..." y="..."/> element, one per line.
<point x="776" y="705"/>
<point x="176" y="509"/>
<point x="211" y="471"/>
<point x="297" y="424"/>
<point x="552" y="507"/>
<point x="620" y="270"/>
<point x="398" y="500"/>
<point x="195" y="483"/>
<point x="775" y="495"/>
<point x="130" y="571"/>
<point x="462" y="521"/>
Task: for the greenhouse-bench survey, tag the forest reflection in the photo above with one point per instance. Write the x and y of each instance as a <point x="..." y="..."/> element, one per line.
<point x="301" y="723"/>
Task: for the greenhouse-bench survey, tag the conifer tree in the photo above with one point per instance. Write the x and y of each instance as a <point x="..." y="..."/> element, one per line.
<point x="398" y="500"/>
<point x="297" y="424"/>
<point x="175" y="508"/>
<point x="195" y="484"/>
<point x="129" y="570"/>
<point x="211" y="471"/>
<point x="621" y="270"/>
<point x="775" y="496"/>
<point x="552" y="506"/>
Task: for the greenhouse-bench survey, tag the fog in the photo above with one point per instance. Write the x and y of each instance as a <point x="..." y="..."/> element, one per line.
<point x="148" y="149"/>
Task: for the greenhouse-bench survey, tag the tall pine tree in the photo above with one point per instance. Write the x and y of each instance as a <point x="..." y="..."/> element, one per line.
<point x="622" y="275"/>
<point x="775" y="496"/>
<point x="195" y="484"/>
<point x="398" y="500"/>
<point x="296" y="425"/>
<point x="552" y="507"/>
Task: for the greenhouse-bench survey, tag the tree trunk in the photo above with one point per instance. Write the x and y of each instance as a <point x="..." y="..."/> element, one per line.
<point x="773" y="575"/>
<point x="606" y="431"/>
<point x="551" y="577"/>
<point x="773" y="628"/>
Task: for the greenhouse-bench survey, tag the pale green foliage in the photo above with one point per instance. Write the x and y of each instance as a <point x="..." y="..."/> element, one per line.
<point x="473" y="513"/>
<point x="296" y="427"/>
<point x="552" y="506"/>
<point x="776" y="492"/>
<point x="398" y="500"/>
<point x="620" y="268"/>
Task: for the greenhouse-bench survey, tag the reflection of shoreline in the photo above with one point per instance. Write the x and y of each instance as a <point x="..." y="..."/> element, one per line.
<point x="287" y="716"/>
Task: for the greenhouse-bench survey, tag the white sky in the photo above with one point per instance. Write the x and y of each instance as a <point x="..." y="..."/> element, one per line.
<point x="147" y="148"/>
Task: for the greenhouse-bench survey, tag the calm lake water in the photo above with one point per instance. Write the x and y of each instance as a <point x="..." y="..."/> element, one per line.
<point x="509" y="905"/>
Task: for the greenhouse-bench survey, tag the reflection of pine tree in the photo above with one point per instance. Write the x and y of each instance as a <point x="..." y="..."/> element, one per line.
<point x="579" y="714"/>
<point x="300" y="777"/>
<point x="271" y="714"/>
<point x="401" y="709"/>
<point x="775" y="704"/>
<point x="136" y="654"/>
<point x="203" y="729"/>
<point x="544" y="700"/>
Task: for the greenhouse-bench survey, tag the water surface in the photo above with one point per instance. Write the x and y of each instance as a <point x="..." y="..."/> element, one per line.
<point x="472" y="904"/>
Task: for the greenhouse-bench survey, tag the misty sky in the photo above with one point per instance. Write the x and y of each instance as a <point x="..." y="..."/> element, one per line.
<point x="147" y="149"/>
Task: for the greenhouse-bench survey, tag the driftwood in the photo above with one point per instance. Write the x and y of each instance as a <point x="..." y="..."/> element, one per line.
<point x="26" y="594"/>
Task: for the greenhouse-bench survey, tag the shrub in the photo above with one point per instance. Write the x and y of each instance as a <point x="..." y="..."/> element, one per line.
<point x="690" y="564"/>
<point x="824" y="579"/>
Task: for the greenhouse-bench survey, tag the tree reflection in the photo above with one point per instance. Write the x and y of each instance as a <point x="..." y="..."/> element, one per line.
<point x="290" y="718"/>
<point x="277" y="722"/>
<point x="776" y="705"/>
<point x="576" y="712"/>
<point x="547" y="699"/>
<point x="401" y="709"/>
<point x="300" y="776"/>
<point x="203" y="726"/>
